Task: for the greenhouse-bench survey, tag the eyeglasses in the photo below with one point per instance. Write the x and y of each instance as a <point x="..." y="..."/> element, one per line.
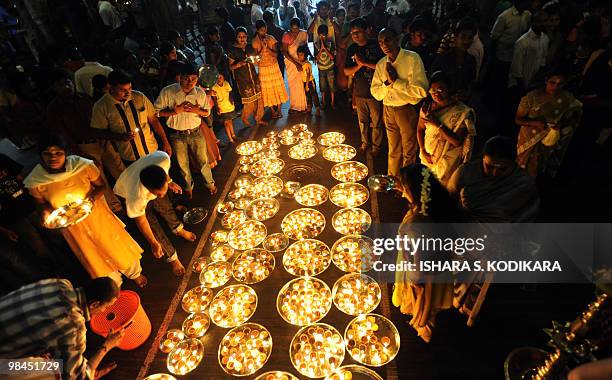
<point x="436" y="90"/>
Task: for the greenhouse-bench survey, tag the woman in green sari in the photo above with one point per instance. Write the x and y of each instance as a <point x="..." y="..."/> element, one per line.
<point x="548" y="118"/>
<point x="446" y="130"/>
<point x="423" y="294"/>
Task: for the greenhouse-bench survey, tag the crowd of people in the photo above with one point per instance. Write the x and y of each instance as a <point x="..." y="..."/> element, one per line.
<point x="110" y="120"/>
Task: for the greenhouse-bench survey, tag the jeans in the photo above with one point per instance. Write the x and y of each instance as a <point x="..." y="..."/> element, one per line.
<point x="185" y="143"/>
<point x="369" y="111"/>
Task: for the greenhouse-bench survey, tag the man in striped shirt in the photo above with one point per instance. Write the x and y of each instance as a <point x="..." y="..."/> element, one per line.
<point x="48" y="318"/>
<point x="127" y="116"/>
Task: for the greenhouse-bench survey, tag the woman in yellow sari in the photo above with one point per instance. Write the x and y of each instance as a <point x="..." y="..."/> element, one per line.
<point x="445" y="131"/>
<point x="548" y="118"/>
<point x="423" y="294"/>
<point x="100" y="241"/>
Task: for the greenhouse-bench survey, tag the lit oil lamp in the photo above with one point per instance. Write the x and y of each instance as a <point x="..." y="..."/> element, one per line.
<point x="351" y="221"/>
<point x="312" y="195"/>
<point x="271" y="152"/>
<point x="233" y="219"/>
<point x="297" y="128"/>
<point x="276" y="375"/>
<point x="247" y="235"/>
<point x="185" y="357"/>
<point x="267" y="167"/>
<point x="266" y="187"/>
<point x="200" y="264"/>
<point x="331" y="138"/>
<point x="339" y="153"/>
<point x="160" y="376"/>
<point x="262" y="209"/>
<point x="70" y="214"/>
<point x="243" y="203"/>
<point x="316" y="350"/>
<point x="303" y="223"/>
<point x="237" y="193"/>
<point x="243" y="181"/>
<point x="307" y="257"/>
<point x="222" y="253"/>
<point x="216" y="274"/>
<point x="196" y="325"/>
<point x="372" y="339"/>
<point x="253" y="266"/>
<point x="302" y="151"/>
<point x="225" y="207"/>
<point x="170" y="340"/>
<point x="356" y="293"/>
<point x="276" y="242"/>
<point x="233" y="306"/>
<point x="244" y="169"/>
<point x="219" y="237"/>
<point x="272" y="134"/>
<point x="349" y="194"/>
<point x="303" y="301"/>
<point x="288" y="137"/>
<point x="354" y="372"/>
<point x="354" y="253"/>
<point x="245" y="349"/>
<point x="249" y="148"/>
<point x="197" y="299"/>
<point x="349" y="171"/>
<point x="247" y="160"/>
<point x="291" y="187"/>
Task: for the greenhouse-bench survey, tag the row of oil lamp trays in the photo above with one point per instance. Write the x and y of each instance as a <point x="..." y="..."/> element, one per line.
<point x="317" y="349"/>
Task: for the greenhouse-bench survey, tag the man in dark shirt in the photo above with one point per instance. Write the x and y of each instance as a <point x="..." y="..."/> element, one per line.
<point x="228" y="33"/>
<point x="69" y="115"/>
<point x="236" y="15"/>
<point x="361" y="59"/>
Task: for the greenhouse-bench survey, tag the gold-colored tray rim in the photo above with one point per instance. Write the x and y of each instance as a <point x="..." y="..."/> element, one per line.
<point x="238" y="328"/>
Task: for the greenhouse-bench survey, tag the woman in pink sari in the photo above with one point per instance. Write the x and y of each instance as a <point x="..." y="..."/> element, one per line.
<point x="292" y="40"/>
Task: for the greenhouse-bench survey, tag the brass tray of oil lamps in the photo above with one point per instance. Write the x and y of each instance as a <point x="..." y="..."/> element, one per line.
<point x="253" y="266"/>
<point x="233" y="306"/>
<point x="302" y="151"/>
<point x="69" y="215"/>
<point x="200" y="264"/>
<point x="349" y="171"/>
<point x="185" y="357"/>
<point x="349" y="194"/>
<point x="216" y="274"/>
<point x="354" y="372"/>
<point x="351" y="221"/>
<point x="160" y="376"/>
<point x="297" y="128"/>
<point x="303" y="223"/>
<point x="317" y="350"/>
<point x="331" y="138"/>
<point x="247" y="235"/>
<point x="311" y="195"/>
<point x="356" y="293"/>
<point x="266" y="187"/>
<point x="276" y="375"/>
<point x="233" y="219"/>
<point x="225" y="207"/>
<point x="171" y="338"/>
<point x="307" y="257"/>
<point x="269" y="166"/>
<point x="372" y="339"/>
<point x="197" y="299"/>
<point x="288" y="137"/>
<point x="218" y="237"/>
<point x="243" y="181"/>
<point x="249" y="148"/>
<point x="246" y="160"/>
<point x="276" y="242"/>
<point x="271" y="152"/>
<point x="245" y="349"/>
<point x="238" y="193"/>
<point x="339" y="153"/>
<point x="243" y="203"/>
<point x="196" y="325"/>
<point x="222" y="253"/>
<point x="262" y="209"/>
<point x="244" y="169"/>
<point x="303" y="301"/>
<point x="354" y="253"/>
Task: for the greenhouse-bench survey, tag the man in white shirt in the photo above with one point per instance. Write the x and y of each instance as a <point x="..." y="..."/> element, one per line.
<point x="185" y="104"/>
<point x="144" y="186"/>
<point x="400" y="82"/>
<point x="530" y="52"/>
<point x="110" y="15"/>
<point x="91" y="68"/>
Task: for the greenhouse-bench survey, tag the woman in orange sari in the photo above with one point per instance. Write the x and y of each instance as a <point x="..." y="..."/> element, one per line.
<point x="100" y="241"/>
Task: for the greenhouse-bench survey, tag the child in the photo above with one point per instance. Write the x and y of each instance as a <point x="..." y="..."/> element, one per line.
<point x="325" y="60"/>
<point x="225" y="106"/>
<point x="309" y="85"/>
